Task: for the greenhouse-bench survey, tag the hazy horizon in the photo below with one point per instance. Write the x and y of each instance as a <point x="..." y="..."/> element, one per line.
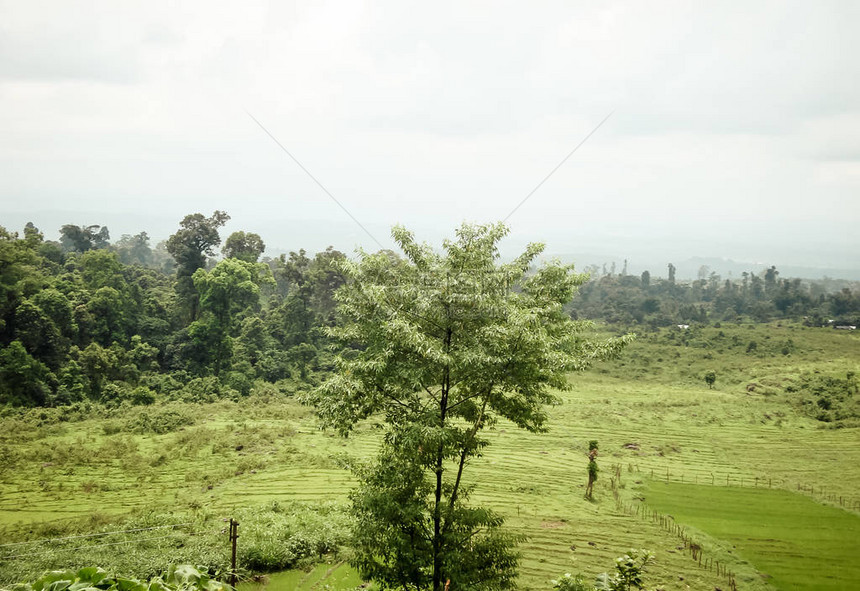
<point x="734" y="128"/>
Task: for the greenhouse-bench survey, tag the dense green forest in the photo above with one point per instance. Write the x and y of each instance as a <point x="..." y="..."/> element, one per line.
<point x="82" y="318"/>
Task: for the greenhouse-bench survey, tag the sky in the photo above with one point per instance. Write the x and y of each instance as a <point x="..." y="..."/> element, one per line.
<point x="733" y="129"/>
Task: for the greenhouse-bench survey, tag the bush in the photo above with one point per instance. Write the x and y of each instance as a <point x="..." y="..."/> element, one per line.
<point x="116" y="393"/>
<point x="159" y="420"/>
<point x="827" y="399"/>
<point x="206" y="389"/>
<point x="570" y="583"/>
<point x="278" y="537"/>
<point x="239" y="382"/>
<point x="629" y="574"/>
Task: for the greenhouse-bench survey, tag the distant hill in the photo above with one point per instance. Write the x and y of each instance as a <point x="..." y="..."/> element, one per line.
<point x="689" y="268"/>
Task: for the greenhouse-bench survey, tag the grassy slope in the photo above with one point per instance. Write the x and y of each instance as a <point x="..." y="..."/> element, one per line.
<point x="654" y="398"/>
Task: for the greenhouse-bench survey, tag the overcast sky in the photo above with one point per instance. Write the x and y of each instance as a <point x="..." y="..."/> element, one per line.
<point x="735" y="129"/>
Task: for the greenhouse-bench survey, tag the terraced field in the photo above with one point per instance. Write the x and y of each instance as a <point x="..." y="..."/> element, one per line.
<point x="798" y="544"/>
<point x="654" y="418"/>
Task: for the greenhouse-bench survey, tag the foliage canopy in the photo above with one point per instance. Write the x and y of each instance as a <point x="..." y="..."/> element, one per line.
<point x="442" y="346"/>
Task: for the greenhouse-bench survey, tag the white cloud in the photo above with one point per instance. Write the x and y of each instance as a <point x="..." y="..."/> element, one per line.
<point x="431" y="113"/>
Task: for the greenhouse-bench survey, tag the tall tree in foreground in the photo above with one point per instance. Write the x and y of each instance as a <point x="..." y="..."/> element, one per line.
<point x="442" y="346"/>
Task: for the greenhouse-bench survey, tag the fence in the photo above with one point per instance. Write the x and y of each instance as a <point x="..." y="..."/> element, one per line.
<point x="667" y="522"/>
<point x="817" y="492"/>
<point x="695" y="549"/>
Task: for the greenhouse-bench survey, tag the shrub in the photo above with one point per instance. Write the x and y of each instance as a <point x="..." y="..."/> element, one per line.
<point x="278" y="537"/>
<point x="206" y="389"/>
<point x="570" y="583"/>
<point x="159" y="420"/>
<point x="629" y="574"/>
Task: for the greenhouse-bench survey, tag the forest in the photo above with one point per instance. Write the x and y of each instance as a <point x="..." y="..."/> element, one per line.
<point x="84" y="318"/>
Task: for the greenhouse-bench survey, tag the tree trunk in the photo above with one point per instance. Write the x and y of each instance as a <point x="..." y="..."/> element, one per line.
<point x="437" y="509"/>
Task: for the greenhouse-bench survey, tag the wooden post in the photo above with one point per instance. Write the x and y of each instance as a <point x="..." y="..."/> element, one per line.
<point x="234" y="536"/>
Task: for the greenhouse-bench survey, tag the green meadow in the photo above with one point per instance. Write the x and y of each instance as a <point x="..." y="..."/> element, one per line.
<point x="796" y="543"/>
<point x="653" y="415"/>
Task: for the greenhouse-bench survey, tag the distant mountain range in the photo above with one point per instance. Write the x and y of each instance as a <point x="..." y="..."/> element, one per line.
<point x="689" y="268"/>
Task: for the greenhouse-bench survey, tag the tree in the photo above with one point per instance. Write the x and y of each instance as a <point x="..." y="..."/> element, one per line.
<point x="231" y="287"/>
<point x="246" y="247"/>
<point x="23" y="379"/>
<point x="83" y="238"/>
<point x="134" y="249"/>
<point x="442" y="346"/>
<point x="710" y="378"/>
<point x="592" y="469"/>
<point x="39" y="335"/>
<point x="193" y="242"/>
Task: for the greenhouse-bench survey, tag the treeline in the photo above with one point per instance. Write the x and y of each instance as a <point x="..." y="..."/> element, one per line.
<point x="631" y="300"/>
<point x="84" y="319"/>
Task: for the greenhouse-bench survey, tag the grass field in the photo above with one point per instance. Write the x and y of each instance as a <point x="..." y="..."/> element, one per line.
<point x="320" y="577"/>
<point x="651" y="413"/>
<point x="798" y="544"/>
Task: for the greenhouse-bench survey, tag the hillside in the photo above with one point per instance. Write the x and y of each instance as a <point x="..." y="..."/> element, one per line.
<point x="79" y="469"/>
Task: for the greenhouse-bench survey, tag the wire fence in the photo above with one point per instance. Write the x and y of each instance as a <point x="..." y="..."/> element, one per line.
<point x="695" y="549"/>
<point x="101" y="534"/>
<point x="815" y="491"/>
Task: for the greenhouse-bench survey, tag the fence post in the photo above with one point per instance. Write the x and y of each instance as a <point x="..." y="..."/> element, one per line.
<point x="234" y="535"/>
